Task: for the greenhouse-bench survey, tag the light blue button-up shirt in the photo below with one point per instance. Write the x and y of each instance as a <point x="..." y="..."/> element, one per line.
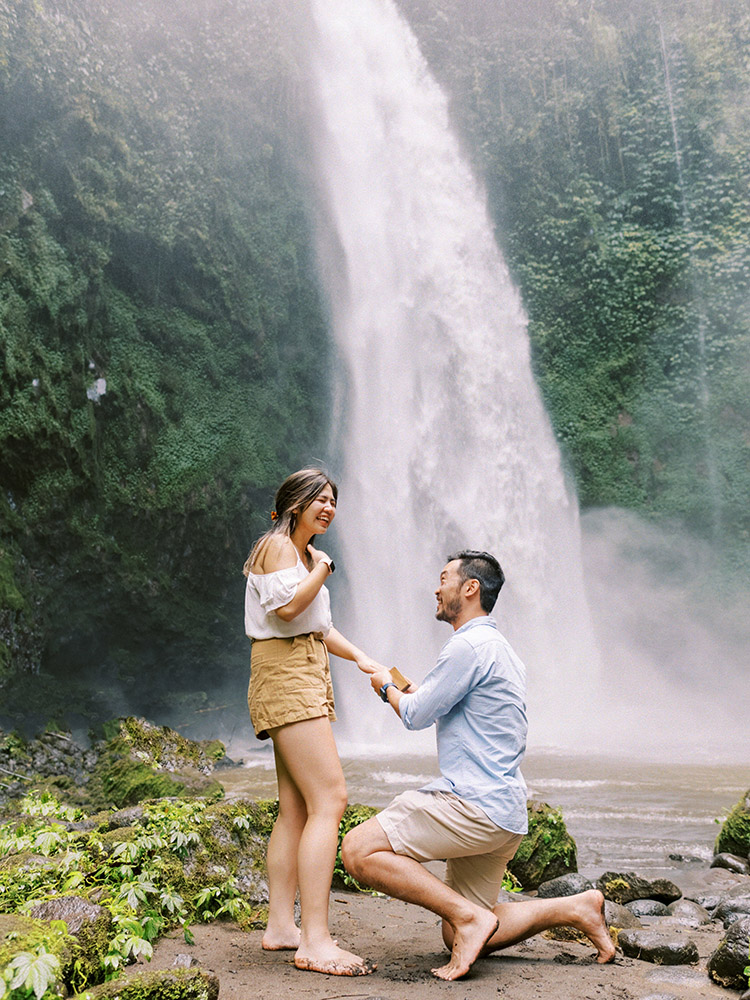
<point x="475" y="694"/>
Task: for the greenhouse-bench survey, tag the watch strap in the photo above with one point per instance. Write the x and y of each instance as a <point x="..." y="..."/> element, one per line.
<point x="384" y="689"/>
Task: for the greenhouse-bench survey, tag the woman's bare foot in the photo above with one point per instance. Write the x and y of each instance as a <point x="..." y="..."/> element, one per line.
<point x="468" y="941"/>
<point x="332" y="961"/>
<point x="591" y="921"/>
<point x="281" y="939"/>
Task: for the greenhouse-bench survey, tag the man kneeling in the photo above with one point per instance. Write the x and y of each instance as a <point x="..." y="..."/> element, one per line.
<point x="474" y="814"/>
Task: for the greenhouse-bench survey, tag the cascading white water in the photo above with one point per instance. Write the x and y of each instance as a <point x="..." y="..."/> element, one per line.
<point x="444" y="440"/>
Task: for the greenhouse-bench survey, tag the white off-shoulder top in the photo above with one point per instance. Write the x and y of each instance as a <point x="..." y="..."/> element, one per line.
<point x="267" y="591"/>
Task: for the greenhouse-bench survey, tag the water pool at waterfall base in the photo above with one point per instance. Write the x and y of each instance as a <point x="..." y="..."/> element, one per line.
<point x="624" y="814"/>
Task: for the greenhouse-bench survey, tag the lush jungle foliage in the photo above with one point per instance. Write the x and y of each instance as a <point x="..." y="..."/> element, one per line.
<point x="164" y="347"/>
<point x="153" y="234"/>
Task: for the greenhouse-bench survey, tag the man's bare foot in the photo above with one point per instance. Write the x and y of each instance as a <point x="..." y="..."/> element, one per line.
<point x="468" y="941"/>
<point x="332" y="961"/>
<point x="281" y="940"/>
<point x="591" y="921"/>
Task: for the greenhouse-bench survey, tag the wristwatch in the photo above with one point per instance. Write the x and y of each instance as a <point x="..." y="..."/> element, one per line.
<point x="330" y="564"/>
<point x="384" y="690"/>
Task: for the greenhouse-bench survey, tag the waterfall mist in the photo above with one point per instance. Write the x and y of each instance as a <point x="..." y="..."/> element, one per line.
<point x="442" y="436"/>
<point x="674" y="635"/>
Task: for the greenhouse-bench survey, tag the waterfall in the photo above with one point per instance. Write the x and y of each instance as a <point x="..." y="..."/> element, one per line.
<point x="442" y="438"/>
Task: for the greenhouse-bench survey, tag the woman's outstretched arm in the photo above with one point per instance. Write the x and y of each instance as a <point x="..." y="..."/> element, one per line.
<point x="340" y="646"/>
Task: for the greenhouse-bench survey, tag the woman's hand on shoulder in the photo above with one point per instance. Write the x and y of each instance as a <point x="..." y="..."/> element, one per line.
<point x="278" y="553"/>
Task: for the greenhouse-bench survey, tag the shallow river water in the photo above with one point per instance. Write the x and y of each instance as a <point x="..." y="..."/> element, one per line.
<point x="625" y="814"/>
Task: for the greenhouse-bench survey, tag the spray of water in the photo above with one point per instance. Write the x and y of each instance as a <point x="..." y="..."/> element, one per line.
<point x="443" y="438"/>
<point x="674" y="634"/>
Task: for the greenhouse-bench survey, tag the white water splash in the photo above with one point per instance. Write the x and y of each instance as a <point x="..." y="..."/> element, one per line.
<point x="444" y="440"/>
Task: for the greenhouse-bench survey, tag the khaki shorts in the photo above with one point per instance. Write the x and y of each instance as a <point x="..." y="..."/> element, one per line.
<point x="432" y="826"/>
<point x="290" y="680"/>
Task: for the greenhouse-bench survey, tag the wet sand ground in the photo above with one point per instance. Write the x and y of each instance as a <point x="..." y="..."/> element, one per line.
<point x="405" y="942"/>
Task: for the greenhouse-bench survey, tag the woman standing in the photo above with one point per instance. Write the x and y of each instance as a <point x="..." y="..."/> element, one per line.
<point x="288" y="617"/>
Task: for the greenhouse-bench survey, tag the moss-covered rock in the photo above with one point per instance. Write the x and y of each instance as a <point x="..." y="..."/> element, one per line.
<point x="20" y="935"/>
<point x="89" y="924"/>
<point x="26" y="861"/>
<point x="734" y="837"/>
<point x="546" y="851"/>
<point x="726" y="966"/>
<point x="626" y="887"/>
<point x="165" y="748"/>
<point x="168" y="984"/>
<point x="142" y="761"/>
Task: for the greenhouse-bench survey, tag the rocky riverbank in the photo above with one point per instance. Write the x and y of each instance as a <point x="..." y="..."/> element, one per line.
<point x="123" y="858"/>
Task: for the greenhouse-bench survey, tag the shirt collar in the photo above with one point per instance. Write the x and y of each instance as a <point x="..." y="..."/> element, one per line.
<point x="479" y="620"/>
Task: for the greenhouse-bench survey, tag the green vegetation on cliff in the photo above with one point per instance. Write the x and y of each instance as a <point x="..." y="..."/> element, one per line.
<point x="613" y="142"/>
<point x="162" y="342"/>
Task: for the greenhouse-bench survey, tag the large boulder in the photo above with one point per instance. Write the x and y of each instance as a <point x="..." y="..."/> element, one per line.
<point x="547" y="851"/>
<point x="727" y="964"/>
<point x="734" y="836"/>
<point x="135" y="761"/>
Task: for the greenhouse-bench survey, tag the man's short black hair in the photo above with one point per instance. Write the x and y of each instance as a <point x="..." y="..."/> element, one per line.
<point x="486" y="570"/>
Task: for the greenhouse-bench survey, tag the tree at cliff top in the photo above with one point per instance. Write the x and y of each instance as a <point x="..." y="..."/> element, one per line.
<point x="613" y="141"/>
<point x="163" y="348"/>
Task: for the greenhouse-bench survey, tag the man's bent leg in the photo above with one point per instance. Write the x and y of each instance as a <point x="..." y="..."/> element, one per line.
<point x="522" y="920"/>
<point x="584" y="911"/>
<point x="368" y="855"/>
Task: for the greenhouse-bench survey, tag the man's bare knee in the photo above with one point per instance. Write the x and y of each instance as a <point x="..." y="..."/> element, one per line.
<point x="350" y="852"/>
<point x="360" y="844"/>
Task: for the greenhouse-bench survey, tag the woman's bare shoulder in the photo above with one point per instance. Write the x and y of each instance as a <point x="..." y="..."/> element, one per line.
<point x="277" y="552"/>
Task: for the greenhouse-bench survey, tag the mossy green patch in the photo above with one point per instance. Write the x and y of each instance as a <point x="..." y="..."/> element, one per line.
<point x="142" y="761"/>
<point x="163" y="747"/>
<point x="546" y="851"/>
<point x="119" y="781"/>
<point x="20" y="934"/>
<point x="734" y="837"/>
<point x="169" y="984"/>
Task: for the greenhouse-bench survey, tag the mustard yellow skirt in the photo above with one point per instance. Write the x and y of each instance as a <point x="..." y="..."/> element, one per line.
<point x="290" y="680"/>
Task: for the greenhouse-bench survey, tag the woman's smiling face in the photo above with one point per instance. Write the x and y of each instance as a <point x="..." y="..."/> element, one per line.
<point x="317" y="516"/>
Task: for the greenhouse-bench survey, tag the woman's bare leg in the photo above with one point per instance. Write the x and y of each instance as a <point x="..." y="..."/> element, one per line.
<point x="281" y="930"/>
<point x="308" y="752"/>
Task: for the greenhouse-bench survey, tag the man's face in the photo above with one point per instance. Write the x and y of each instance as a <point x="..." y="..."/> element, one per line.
<point x="448" y="593"/>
